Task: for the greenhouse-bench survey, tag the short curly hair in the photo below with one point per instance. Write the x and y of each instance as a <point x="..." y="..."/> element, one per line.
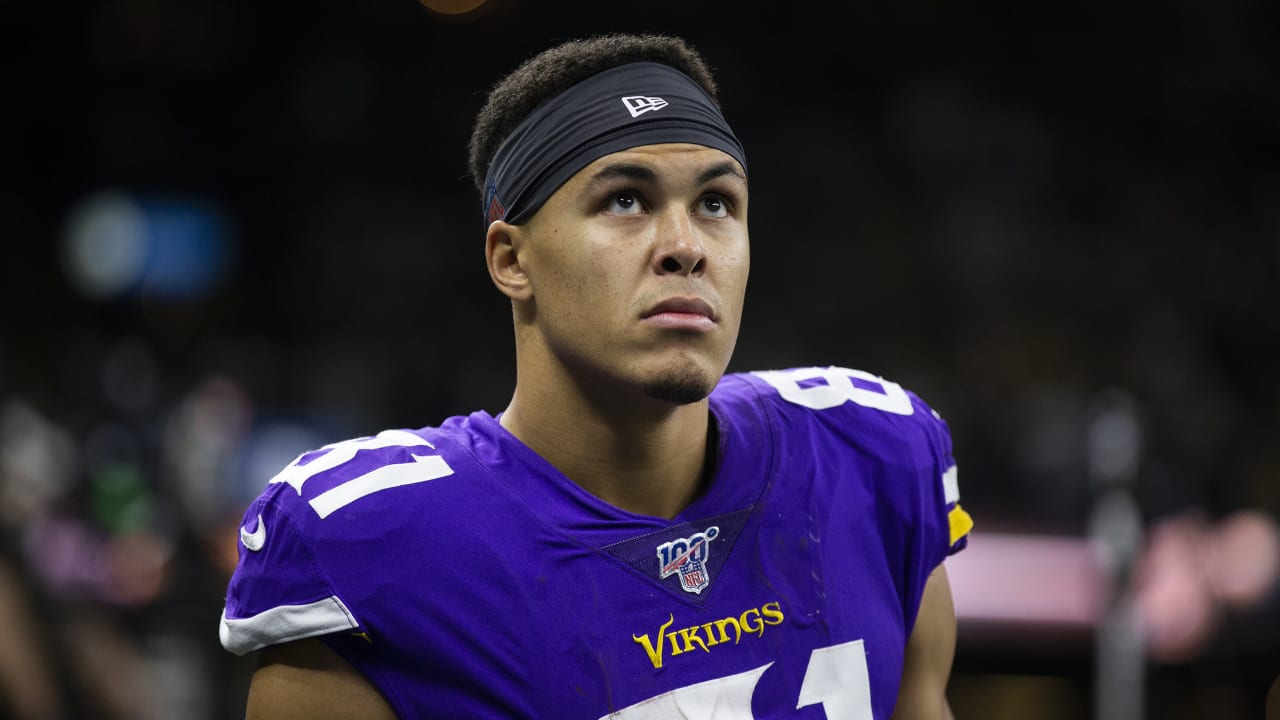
<point x="552" y="71"/>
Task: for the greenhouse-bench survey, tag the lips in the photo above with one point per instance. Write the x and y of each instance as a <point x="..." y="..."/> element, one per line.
<point x="682" y="306"/>
<point x="685" y="314"/>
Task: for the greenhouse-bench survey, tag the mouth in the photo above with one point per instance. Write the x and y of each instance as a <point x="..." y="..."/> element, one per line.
<point x="682" y="314"/>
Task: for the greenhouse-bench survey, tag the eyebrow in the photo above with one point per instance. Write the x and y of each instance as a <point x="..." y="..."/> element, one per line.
<point x="616" y="170"/>
<point x="720" y="169"/>
<point x="640" y="172"/>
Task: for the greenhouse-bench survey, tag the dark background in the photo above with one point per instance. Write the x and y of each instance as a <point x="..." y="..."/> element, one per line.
<point x="1019" y="211"/>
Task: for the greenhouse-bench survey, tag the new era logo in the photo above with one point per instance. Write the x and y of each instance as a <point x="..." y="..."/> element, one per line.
<point x="638" y="105"/>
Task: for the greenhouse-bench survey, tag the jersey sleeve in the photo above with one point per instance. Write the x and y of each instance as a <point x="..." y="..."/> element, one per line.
<point x="875" y="426"/>
<point x="883" y="458"/>
<point x="314" y="546"/>
<point x="278" y="593"/>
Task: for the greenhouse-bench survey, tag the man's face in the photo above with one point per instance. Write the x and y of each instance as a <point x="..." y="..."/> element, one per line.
<point x="638" y="267"/>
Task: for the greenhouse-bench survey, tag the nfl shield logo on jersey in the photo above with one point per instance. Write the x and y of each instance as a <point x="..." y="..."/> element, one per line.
<point x="688" y="557"/>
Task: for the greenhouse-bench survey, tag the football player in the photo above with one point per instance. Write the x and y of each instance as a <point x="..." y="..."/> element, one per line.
<point x="637" y="535"/>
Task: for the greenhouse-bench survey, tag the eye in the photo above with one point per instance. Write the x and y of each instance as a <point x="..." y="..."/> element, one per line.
<point x="623" y="203"/>
<point x="713" y="206"/>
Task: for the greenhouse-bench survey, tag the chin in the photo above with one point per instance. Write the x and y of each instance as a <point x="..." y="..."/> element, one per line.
<point x="682" y="386"/>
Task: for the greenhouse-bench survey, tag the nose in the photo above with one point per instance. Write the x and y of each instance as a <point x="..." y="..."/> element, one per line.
<point x="679" y="249"/>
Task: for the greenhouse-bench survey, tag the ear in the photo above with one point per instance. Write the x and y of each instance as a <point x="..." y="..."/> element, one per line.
<point x="502" y="245"/>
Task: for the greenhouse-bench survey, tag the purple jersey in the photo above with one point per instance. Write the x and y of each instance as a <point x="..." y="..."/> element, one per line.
<point x="467" y="578"/>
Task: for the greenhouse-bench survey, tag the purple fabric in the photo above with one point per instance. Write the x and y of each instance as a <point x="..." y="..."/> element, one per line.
<point x="505" y="590"/>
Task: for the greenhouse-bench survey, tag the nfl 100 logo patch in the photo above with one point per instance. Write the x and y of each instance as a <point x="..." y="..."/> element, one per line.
<point x="688" y="558"/>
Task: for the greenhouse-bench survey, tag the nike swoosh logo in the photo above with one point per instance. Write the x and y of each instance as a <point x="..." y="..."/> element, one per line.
<point x="256" y="539"/>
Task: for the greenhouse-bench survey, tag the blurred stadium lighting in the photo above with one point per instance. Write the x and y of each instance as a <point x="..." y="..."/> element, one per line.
<point x="452" y="7"/>
<point x="37" y="463"/>
<point x="1027" y="580"/>
<point x="1115" y="527"/>
<point x="104" y="245"/>
<point x="172" y="248"/>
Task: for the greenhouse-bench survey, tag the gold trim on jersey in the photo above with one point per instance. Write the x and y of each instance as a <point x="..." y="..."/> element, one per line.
<point x="960" y="523"/>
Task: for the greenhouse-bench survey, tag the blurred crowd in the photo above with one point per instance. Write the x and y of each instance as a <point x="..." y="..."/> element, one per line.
<point x="236" y="231"/>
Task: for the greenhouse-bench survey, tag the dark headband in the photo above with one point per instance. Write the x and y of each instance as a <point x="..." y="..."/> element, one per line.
<point x="643" y="103"/>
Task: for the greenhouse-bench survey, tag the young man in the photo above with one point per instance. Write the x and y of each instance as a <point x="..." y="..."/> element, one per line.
<point x="635" y="536"/>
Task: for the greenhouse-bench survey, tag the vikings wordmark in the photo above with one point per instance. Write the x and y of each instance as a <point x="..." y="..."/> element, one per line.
<point x="710" y="634"/>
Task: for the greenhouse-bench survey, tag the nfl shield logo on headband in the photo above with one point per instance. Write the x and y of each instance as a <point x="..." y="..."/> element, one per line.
<point x="493" y="209"/>
<point x="638" y="105"/>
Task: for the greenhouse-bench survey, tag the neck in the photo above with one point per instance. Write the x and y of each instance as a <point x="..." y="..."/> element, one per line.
<point x="639" y="454"/>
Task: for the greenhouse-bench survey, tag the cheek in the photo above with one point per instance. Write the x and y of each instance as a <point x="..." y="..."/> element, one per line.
<point x="737" y="269"/>
<point x="580" y="287"/>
